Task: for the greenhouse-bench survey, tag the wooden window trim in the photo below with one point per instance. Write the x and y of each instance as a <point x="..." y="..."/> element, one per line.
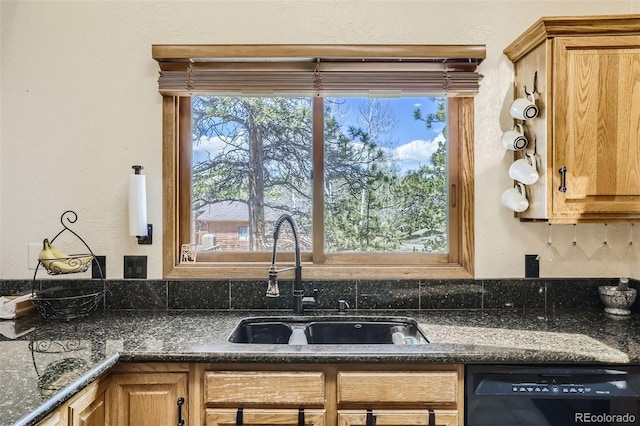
<point x="176" y="205"/>
<point x="174" y="178"/>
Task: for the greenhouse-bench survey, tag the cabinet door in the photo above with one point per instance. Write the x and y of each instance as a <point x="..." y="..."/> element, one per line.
<point x="596" y="127"/>
<point x="88" y="408"/>
<point x="264" y="417"/>
<point x="54" y="419"/>
<point x="146" y="399"/>
<point x="399" y="417"/>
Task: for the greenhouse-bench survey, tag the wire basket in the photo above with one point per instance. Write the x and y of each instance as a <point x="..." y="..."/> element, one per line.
<point x="67" y="303"/>
<point x="67" y="265"/>
<point x="67" y="300"/>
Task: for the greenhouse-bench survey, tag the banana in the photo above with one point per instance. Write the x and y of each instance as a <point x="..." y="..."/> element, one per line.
<point x="56" y="253"/>
<point x="57" y="262"/>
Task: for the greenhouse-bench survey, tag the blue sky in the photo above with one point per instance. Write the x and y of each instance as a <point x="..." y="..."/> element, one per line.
<point x="410" y="141"/>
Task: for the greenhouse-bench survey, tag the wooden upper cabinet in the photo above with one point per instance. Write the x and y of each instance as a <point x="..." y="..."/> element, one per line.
<point x="587" y="79"/>
<point x="597" y="118"/>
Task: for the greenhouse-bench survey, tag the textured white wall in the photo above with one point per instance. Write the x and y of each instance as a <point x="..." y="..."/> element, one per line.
<point x="79" y="106"/>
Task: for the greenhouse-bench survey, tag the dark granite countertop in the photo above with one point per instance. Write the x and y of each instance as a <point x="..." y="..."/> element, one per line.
<point x="45" y="363"/>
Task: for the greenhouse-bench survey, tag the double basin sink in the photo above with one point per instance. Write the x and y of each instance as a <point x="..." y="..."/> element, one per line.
<point x="328" y="330"/>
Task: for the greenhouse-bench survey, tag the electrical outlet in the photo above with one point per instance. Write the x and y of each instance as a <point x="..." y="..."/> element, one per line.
<point x="33" y="250"/>
<point x="135" y="267"/>
<point x="95" y="271"/>
<point x="531" y="266"/>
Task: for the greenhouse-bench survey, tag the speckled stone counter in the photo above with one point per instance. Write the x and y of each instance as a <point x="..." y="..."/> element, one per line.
<point x="45" y="363"/>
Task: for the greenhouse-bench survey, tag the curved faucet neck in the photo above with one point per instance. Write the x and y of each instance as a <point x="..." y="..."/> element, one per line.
<point x="276" y="234"/>
<point x="299" y="301"/>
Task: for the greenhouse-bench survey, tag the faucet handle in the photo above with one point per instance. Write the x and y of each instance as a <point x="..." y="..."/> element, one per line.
<point x="342" y="305"/>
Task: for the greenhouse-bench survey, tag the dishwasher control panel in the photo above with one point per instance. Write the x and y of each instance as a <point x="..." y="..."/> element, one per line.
<point x="566" y="389"/>
<point x="550" y="387"/>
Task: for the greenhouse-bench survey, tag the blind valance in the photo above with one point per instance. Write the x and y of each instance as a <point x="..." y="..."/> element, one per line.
<point x="318" y="70"/>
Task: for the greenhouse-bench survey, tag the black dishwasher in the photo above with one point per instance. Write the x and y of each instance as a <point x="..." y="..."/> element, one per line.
<point x="511" y="395"/>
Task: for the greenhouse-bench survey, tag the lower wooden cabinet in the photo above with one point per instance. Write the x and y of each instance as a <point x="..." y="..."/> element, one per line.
<point x="344" y="395"/>
<point x="275" y="417"/>
<point x="87" y="408"/>
<point x="143" y="398"/>
<point x="269" y="394"/>
<point x="54" y="419"/>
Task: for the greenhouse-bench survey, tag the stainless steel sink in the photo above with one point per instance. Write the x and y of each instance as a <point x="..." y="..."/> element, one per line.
<point x="335" y="330"/>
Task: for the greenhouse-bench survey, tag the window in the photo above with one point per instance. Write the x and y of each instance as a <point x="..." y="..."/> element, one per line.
<point x="243" y="234"/>
<point x="248" y="139"/>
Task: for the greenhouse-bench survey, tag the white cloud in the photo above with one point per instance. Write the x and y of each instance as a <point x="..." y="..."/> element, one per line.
<point x="416" y="153"/>
<point x="207" y="144"/>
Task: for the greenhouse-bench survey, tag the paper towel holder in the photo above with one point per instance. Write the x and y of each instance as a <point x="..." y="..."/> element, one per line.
<point x="140" y="204"/>
<point x="146" y="239"/>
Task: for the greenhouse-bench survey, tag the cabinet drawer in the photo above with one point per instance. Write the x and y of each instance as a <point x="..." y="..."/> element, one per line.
<point x="438" y="387"/>
<point x="265" y="387"/>
<point x="400" y="418"/>
<point x="228" y="417"/>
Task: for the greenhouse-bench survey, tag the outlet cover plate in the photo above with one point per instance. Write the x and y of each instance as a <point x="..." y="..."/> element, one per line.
<point x="531" y="266"/>
<point x="135" y="267"/>
<point x="95" y="271"/>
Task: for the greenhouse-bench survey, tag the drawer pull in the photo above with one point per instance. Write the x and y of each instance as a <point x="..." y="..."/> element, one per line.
<point x="301" y="417"/>
<point x="432" y="417"/>
<point x="371" y="419"/>
<point x="180" y="419"/>
<point x="239" y="417"/>
<point x="563" y="185"/>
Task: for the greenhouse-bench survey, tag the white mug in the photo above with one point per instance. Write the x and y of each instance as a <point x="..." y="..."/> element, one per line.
<point x="514" y="140"/>
<point x="524" y="108"/>
<point x="515" y="199"/>
<point x="524" y="170"/>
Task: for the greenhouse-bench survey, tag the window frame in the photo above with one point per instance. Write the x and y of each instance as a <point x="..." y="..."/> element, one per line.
<point x="459" y="263"/>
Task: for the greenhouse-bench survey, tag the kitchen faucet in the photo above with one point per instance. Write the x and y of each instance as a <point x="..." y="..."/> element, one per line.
<point x="299" y="299"/>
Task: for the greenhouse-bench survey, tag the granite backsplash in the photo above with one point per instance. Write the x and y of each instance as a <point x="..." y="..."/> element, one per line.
<point x="530" y="293"/>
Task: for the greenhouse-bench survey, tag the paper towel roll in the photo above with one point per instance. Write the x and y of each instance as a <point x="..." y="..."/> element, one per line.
<point x="137" y="205"/>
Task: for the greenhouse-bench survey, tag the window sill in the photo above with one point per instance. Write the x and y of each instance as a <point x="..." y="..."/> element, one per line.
<point x="207" y="270"/>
